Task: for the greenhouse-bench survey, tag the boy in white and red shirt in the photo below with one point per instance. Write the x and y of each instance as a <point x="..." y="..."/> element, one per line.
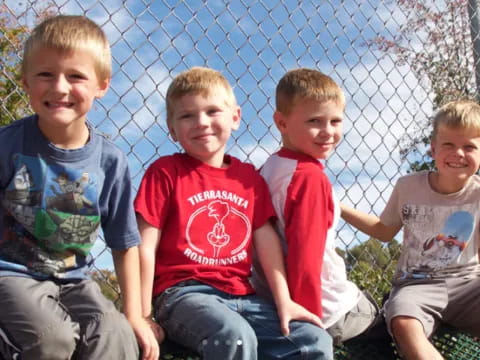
<point x="200" y="213"/>
<point x="309" y="116"/>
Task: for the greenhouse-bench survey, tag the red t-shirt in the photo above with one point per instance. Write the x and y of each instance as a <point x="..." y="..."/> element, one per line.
<point x="206" y="216"/>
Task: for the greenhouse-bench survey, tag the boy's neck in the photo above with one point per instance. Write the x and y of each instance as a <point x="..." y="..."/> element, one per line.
<point x="216" y="161"/>
<point x="444" y="185"/>
<point x="72" y="137"/>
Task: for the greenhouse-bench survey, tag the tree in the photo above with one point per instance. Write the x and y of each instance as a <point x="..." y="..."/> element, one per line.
<point x="107" y="280"/>
<point x="13" y="101"/>
<point x="371" y="266"/>
<point x="443" y="62"/>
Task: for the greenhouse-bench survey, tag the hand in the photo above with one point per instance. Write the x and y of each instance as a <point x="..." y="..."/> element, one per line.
<point x="293" y="311"/>
<point x="157" y="330"/>
<point x="149" y="334"/>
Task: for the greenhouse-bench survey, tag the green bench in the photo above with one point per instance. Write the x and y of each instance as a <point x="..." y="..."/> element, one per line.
<point x="364" y="351"/>
<point x="453" y="345"/>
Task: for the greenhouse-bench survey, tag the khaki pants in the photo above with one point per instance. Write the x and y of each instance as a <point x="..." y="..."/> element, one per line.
<point x="355" y="322"/>
<point x="453" y="301"/>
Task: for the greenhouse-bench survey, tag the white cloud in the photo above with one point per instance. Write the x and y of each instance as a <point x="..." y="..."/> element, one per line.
<point x="383" y="99"/>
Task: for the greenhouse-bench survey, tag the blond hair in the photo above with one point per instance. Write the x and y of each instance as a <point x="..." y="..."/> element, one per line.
<point x="67" y="33"/>
<point x="459" y="114"/>
<point x="306" y="84"/>
<point x="197" y="80"/>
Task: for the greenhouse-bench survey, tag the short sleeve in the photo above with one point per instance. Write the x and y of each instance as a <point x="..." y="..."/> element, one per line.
<point x="153" y="198"/>
<point x="119" y="223"/>
<point x="264" y="210"/>
<point x="391" y="215"/>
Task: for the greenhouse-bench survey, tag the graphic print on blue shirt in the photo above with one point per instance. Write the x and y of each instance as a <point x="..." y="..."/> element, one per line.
<point x="51" y="216"/>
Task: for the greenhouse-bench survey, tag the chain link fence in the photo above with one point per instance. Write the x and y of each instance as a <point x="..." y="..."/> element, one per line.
<point x="388" y="56"/>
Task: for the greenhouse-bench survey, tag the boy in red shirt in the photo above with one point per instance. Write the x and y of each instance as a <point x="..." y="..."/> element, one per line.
<point x="200" y="212"/>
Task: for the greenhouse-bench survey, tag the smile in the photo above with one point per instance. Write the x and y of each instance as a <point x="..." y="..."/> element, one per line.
<point x="56" y="105"/>
<point x="456" y="165"/>
<point x="203" y="136"/>
<point x="324" y="144"/>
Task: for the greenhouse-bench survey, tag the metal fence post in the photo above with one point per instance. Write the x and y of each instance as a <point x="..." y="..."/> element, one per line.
<point x="474" y="15"/>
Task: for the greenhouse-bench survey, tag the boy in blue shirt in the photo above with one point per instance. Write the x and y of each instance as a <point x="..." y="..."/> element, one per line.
<point x="60" y="182"/>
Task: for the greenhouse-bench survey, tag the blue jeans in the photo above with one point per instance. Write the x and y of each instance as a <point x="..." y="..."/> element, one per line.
<point x="222" y="326"/>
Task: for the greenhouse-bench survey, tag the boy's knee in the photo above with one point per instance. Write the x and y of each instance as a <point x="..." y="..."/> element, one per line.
<point x="231" y="339"/>
<point x="404" y="324"/>
<point x="58" y="341"/>
<point x="111" y="326"/>
<point x="316" y="344"/>
<point x="107" y="322"/>
<point x="110" y="336"/>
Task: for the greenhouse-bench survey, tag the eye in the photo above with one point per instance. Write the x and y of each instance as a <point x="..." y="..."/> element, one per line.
<point x="336" y="121"/>
<point x="470" y="148"/>
<point x="77" y="77"/>
<point x="185" y="116"/>
<point x="212" y="112"/>
<point x="45" y="74"/>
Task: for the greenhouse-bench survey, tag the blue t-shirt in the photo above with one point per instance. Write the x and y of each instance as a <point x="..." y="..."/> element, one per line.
<point x="55" y="201"/>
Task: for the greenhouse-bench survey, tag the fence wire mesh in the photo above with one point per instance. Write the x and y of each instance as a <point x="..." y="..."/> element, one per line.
<point x="396" y="61"/>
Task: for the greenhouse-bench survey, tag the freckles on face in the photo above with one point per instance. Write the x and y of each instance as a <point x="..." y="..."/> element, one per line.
<point x="203" y="124"/>
<point x="312" y="127"/>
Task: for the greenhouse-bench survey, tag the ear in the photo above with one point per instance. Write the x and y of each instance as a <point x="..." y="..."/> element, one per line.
<point x="237" y="115"/>
<point x="25" y="84"/>
<point x="280" y="121"/>
<point x="171" y="130"/>
<point x="102" y="88"/>
<point x="432" y="149"/>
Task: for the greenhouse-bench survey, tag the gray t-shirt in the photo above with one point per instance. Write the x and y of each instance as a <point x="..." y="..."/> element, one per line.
<point x="440" y="231"/>
<point x="55" y="201"/>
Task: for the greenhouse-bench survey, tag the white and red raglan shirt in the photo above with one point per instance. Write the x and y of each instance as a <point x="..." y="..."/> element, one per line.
<point x="206" y="216"/>
<point x="308" y="213"/>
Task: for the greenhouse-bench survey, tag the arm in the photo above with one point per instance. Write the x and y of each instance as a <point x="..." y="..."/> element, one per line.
<point x="308" y="213"/>
<point x="127" y="268"/>
<point x="150" y="240"/>
<point x="269" y="252"/>
<point x="369" y="224"/>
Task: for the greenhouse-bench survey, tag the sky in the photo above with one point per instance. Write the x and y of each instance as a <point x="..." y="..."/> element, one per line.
<point x="253" y="43"/>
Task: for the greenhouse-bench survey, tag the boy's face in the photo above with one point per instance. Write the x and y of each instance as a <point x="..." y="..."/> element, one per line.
<point x="62" y="87"/>
<point x="202" y="125"/>
<point x="312" y="127"/>
<point x="457" y="155"/>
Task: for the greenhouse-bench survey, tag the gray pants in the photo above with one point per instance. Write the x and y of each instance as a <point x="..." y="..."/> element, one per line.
<point x="49" y="320"/>
<point x="363" y="316"/>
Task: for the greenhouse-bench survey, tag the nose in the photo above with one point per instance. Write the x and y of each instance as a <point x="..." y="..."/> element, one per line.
<point x="203" y="119"/>
<point x="459" y="151"/>
<point x="61" y="84"/>
<point x="327" y="130"/>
